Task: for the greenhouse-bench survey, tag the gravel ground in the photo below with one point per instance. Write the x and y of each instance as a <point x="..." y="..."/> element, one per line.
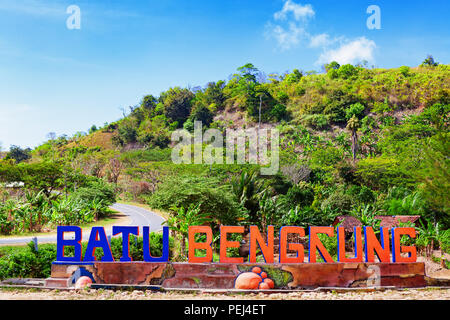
<point x="90" y="294"/>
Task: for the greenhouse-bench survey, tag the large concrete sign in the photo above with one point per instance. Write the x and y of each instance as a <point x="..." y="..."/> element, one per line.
<point x="372" y="246"/>
<point x="375" y="263"/>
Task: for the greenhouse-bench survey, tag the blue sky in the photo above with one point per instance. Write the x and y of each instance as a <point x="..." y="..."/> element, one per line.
<point x="53" y="79"/>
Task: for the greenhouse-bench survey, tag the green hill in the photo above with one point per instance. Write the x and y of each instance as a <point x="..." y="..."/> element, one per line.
<point x="353" y="141"/>
<point x="321" y="102"/>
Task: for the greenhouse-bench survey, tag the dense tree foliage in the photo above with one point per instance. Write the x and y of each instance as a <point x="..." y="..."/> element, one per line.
<point x="18" y="154"/>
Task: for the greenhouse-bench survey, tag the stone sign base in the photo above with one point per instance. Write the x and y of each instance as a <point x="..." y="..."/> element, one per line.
<point x="242" y="276"/>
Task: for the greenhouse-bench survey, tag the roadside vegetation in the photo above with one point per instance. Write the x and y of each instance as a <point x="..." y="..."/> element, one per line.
<point x="27" y="262"/>
<point x="51" y="196"/>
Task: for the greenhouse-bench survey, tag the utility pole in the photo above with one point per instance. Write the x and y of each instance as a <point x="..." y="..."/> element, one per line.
<point x="259" y="124"/>
<point x="260" y="103"/>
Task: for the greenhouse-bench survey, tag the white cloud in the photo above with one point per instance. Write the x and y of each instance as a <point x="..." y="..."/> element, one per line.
<point x="321" y="40"/>
<point x="287" y="37"/>
<point x="299" y="11"/>
<point x="290" y="29"/>
<point x="353" y="51"/>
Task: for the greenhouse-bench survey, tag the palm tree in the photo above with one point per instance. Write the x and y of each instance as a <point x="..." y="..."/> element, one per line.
<point x="353" y="126"/>
<point x="248" y="190"/>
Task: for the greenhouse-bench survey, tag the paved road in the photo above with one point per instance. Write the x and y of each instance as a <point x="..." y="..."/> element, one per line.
<point x="139" y="217"/>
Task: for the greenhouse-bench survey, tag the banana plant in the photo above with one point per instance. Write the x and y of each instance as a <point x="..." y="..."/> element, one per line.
<point x="269" y="210"/>
<point x="7" y="224"/>
<point x="367" y="215"/>
<point x="182" y="218"/>
<point x="97" y="207"/>
<point x="430" y="234"/>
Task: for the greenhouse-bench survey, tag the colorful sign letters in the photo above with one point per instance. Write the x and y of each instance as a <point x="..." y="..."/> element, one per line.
<point x="365" y="242"/>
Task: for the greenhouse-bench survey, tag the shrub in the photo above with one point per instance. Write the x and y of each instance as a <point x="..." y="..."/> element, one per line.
<point x="346" y="171"/>
<point x="382" y="107"/>
<point x="278" y="112"/>
<point x="98" y="190"/>
<point x="362" y="194"/>
<point x="203" y="114"/>
<point x="356" y="109"/>
<point x="381" y="173"/>
<point x="296" y="173"/>
<point x="333" y="65"/>
<point x="214" y="197"/>
<point x="437" y="115"/>
<point x="189" y="125"/>
<point x="18" y="154"/>
<point x="300" y="195"/>
<point x="300" y="91"/>
<point x="293" y="77"/>
<point x="282" y="97"/>
<point x="136" y="156"/>
<point x="127" y="134"/>
<point x="404" y="70"/>
<point x="336" y="102"/>
<point x="347" y="71"/>
<point x="27" y="262"/>
<point x="279" y="183"/>
<point x="325" y="156"/>
<point x="333" y="74"/>
<point x="338" y="201"/>
<point x="46" y="176"/>
<point x="401" y="201"/>
<point x="177" y="104"/>
<point x="302" y="217"/>
<point x="317" y="121"/>
<point x="367" y="124"/>
<point x="10" y="172"/>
